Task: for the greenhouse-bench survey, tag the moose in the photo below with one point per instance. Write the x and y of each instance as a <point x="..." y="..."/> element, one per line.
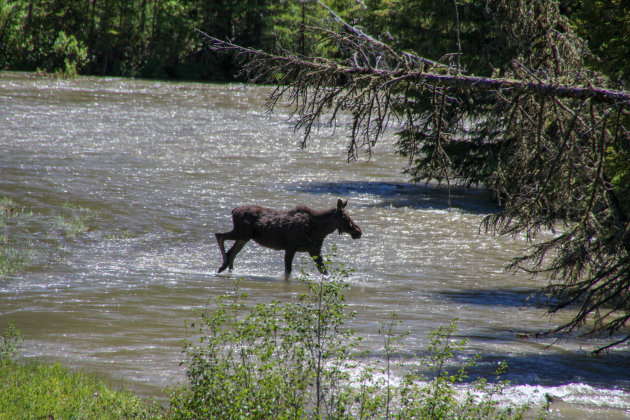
<point x="301" y="229"/>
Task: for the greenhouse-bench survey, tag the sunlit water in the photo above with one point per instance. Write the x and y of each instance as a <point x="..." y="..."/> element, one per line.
<point x="154" y="168"/>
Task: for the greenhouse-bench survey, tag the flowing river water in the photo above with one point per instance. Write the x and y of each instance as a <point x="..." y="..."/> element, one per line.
<point x="149" y="170"/>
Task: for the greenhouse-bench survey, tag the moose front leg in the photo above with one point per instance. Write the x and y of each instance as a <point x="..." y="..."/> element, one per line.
<point x="231" y="254"/>
<point x="319" y="261"/>
<point x="288" y="262"/>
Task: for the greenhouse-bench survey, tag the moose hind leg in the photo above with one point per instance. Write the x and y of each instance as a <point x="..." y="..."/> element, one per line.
<point x="229" y="236"/>
<point x="220" y="237"/>
<point x="231" y="254"/>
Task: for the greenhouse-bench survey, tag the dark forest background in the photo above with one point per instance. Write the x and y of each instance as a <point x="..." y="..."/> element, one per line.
<point x="157" y="38"/>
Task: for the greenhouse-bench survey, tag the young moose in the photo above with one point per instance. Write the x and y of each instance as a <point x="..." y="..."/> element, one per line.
<point x="298" y="230"/>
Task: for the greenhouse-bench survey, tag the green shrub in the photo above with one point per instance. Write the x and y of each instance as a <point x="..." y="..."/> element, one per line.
<point x="68" y="56"/>
<point x="440" y="397"/>
<point x="270" y="360"/>
<point x="293" y="360"/>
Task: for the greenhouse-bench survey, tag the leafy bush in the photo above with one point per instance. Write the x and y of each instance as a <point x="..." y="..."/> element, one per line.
<point x="68" y="55"/>
<point x="270" y="360"/>
<point x="298" y="360"/>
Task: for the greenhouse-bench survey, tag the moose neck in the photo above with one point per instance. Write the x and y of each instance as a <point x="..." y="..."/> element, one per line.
<point x="325" y="221"/>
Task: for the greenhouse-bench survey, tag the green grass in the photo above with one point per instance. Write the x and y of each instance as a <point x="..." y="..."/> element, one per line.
<point x="72" y="226"/>
<point x="12" y="261"/>
<point x="76" y="223"/>
<point x="121" y="234"/>
<point x="20" y="225"/>
<point x="13" y="257"/>
<point x="8" y="209"/>
<point x="36" y="390"/>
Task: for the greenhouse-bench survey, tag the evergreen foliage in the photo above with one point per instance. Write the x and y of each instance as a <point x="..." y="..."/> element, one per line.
<point x="156" y="38"/>
<point x="606" y="26"/>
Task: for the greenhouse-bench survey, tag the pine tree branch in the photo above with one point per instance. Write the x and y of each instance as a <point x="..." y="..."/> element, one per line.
<point x="265" y="61"/>
<point x="610" y="96"/>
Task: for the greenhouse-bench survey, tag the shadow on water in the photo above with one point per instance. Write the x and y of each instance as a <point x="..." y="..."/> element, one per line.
<point x="533" y="368"/>
<point x="401" y="194"/>
<point x="557" y="369"/>
<point x="521" y="298"/>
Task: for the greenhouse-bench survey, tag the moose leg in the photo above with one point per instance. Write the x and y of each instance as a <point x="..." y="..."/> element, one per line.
<point x="231" y="254"/>
<point x="288" y="262"/>
<point x="319" y="261"/>
<point x="233" y="235"/>
<point x="220" y="237"/>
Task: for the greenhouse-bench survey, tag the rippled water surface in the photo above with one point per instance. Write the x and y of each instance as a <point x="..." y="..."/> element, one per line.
<point x="152" y="169"/>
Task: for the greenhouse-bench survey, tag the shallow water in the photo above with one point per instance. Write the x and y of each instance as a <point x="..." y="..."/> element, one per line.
<point x="154" y="168"/>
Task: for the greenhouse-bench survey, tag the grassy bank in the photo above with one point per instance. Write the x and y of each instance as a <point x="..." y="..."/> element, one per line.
<point x="36" y="390"/>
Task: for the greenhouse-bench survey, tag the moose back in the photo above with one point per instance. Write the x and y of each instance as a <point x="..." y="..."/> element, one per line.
<point x="301" y="229"/>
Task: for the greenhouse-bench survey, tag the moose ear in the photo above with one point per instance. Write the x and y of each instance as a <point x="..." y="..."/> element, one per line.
<point x="341" y="204"/>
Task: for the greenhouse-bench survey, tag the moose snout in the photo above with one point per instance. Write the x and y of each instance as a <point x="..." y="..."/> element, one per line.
<point x="356" y="234"/>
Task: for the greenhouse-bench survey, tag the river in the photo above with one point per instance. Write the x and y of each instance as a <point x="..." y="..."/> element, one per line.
<point x="151" y="169"/>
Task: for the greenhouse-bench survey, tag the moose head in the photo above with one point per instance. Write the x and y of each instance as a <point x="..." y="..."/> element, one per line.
<point x="345" y="223"/>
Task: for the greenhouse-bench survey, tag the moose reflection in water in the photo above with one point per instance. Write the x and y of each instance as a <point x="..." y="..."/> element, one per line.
<point x="298" y="230"/>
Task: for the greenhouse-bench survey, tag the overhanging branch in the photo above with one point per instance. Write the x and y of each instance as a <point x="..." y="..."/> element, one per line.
<point x="264" y="62"/>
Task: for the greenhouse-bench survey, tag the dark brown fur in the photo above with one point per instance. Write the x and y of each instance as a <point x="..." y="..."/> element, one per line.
<point x="298" y="230"/>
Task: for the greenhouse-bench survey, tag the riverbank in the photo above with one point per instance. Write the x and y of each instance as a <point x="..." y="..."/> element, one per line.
<point x="37" y="390"/>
